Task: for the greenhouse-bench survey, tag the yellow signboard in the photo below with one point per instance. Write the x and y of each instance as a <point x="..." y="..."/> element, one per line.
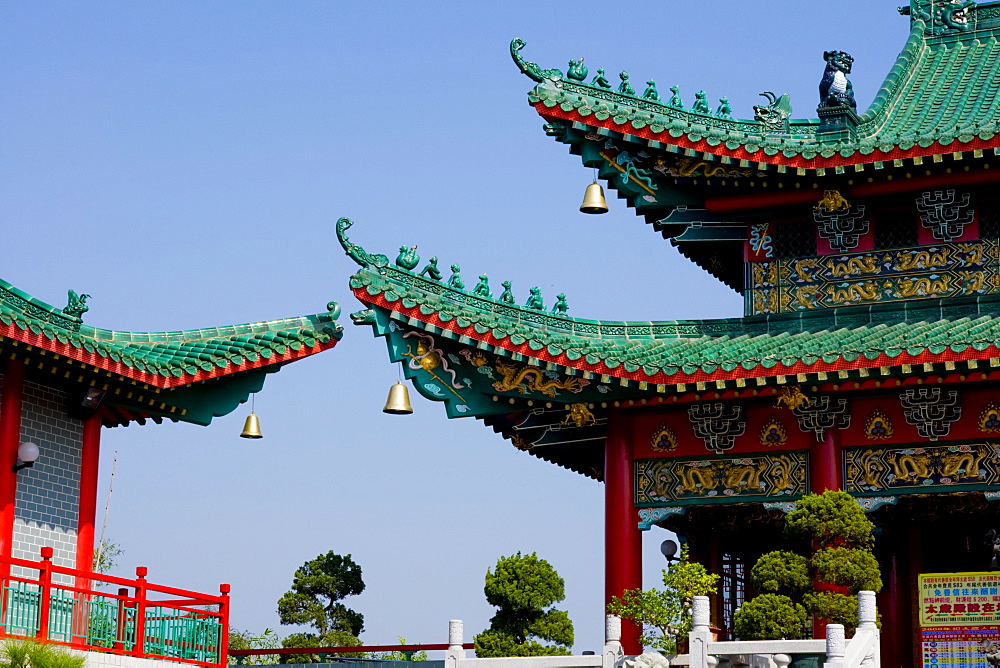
<point x="959" y="599"/>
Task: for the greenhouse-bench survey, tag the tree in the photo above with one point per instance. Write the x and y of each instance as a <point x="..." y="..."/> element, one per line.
<point x="399" y="656"/>
<point x="106" y="556"/>
<point x="833" y="530"/>
<point x="314" y="600"/>
<point x="523" y="588"/>
<point x="246" y="640"/>
<point x="666" y="615"/>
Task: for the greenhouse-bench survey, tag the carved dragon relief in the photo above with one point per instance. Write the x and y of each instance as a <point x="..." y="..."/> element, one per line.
<point x="532" y="379"/>
<point x="922" y="468"/>
<point x="869" y="277"/>
<point x="671" y="480"/>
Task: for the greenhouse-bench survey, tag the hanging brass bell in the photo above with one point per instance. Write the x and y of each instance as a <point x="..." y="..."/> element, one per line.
<point x="399" y="400"/>
<point x="251" y="428"/>
<point x="593" y="199"/>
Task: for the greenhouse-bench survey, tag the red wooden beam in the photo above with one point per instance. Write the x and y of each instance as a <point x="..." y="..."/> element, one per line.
<point x="882" y="187"/>
<point x="346" y="649"/>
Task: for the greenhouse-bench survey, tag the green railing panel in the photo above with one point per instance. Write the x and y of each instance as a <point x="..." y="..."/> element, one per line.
<point x="109" y="622"/>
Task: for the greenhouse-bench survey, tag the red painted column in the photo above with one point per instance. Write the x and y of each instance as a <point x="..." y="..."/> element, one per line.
<point x="622" y="540"/>
<point x="824" y="464"/>
<point x="10" y="438"/>
<point x="89" y="459"/>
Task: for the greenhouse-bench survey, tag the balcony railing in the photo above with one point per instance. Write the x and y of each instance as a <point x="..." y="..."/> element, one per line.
<point x="71" y="607"/>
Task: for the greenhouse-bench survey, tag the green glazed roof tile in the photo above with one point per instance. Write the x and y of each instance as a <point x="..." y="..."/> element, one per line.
<point x="167" y="355"/>
<point x="944" y="87"/>
<point x="699" y="346"/>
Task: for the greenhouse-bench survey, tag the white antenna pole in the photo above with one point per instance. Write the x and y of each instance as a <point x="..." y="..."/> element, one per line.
<point x="107" y="506"/>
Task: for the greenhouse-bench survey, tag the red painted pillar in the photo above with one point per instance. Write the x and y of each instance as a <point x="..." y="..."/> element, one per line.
<point x="89" y="459"/>
<point x="622" y="540"/>
<point x="824" y="464"/>
<point x="10" y="438"/>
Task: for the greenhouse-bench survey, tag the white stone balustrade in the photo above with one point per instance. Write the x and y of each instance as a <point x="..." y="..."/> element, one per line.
<point x="861" y="651"/>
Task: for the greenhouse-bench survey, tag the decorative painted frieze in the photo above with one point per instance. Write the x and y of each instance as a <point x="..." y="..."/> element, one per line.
<point x="945" y="213"/>
<point x="721" y="480"/>
<point x="873" y="277"/>
<point x="761" y="243"/>
<point x="918" y="469"/>
<point x="822" y="413"/>
<point x="650" y="516"/>
<point x="871" y="503"/>
<point x="717" y="425"/>
<point x="932" y="410"/>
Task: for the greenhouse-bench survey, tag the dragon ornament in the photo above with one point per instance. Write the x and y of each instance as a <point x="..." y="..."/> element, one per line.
<point x="356" y="252"/>
<point x="531" y="70"/>
<point x="532" y="379"/>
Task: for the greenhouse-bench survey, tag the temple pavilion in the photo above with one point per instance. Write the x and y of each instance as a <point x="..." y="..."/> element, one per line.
<point x="867" y="246"/>
<point x="64" y="381"/>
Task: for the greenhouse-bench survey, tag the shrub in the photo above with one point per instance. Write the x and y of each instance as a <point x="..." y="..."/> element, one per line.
<point x="770" y="617"/>
<point x="831" y="518"/>
<point x="846" y="567"/>
<point x="781" y="571"/>
<point x="834" y="607"/>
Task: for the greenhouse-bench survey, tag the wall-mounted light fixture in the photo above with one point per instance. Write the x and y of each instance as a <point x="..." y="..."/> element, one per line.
<point x="92" y="399"/>
<point x="27" y="454"/>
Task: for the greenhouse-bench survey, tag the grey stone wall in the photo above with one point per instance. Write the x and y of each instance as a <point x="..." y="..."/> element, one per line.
<point x="47" y="506"/>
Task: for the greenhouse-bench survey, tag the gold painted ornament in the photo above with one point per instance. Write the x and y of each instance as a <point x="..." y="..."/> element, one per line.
<point x="664" y="440"/>
<point x="878" y="427"/>
<point x="989" y="419"/>
<point x="793" y="397"/>
<point x="773" y="434"/>
<point x="579" y="414"/>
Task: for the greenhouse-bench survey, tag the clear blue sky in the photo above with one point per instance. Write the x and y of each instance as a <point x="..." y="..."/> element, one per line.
<point x="184" y="163"/>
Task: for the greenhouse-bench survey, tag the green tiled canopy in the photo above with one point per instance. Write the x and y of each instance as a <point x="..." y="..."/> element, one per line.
<point x="940" y="96"/>
<point x="681" y="351"/>
<point x="170" y="366"/>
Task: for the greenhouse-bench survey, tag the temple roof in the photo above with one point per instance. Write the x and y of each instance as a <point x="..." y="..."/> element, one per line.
<point x="939" y="98"/>
<point x="522" y="369"/>
<point x="163" y="364"/>
<point x="681" y="352"/>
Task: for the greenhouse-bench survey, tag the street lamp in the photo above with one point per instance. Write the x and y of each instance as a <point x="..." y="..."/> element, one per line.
<point x="668" y="549"/>
<point x="27" y="453"/>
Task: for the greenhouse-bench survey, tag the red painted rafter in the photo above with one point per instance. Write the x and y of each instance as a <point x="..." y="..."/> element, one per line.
<point x="28" y="337"/>
<point x="819" y="162"/>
